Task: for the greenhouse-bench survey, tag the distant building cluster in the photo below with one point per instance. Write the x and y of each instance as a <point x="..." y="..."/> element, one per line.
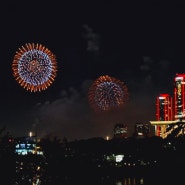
<point x="120" y="131"/>
<point x="170" y="109"/>
<point x="27" y="145"/>
<point x="141" y="130"/>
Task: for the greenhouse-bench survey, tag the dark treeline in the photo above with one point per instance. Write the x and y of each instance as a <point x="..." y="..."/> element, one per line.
<point x="64" y="162"/>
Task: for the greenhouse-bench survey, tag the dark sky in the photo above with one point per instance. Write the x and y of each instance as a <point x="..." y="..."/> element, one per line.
<point x="141" y="44"/>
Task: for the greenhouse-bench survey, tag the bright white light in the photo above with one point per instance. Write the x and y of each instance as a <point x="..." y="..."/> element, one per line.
<point x="162" y="98"/>
<point x="119" y="158"/>
<point x="178" y="78"/>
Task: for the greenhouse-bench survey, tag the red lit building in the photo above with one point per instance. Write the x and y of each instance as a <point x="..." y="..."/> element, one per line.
<point x="168" y="112"/>
<point x="179" y="96"/>
<point x="164" y="112"/>
<point x="164" y="108"/>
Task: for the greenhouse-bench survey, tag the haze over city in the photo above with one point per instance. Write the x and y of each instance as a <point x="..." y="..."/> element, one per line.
<point x="141" y="44"/>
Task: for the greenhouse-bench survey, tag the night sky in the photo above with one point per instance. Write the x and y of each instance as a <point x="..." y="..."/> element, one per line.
<point x="141" y="44"/>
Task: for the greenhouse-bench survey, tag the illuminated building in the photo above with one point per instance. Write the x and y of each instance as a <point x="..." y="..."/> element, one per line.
<point x="120" y="131"/>
<point x="164" y="112"/>
<point x="27" y="145"/>
<point x="30" y="160"/>
<point x="142" y="130"/>
<point x="164" y="108"/>
<point x="169" y="112"/>
<point x="179" y="96"/>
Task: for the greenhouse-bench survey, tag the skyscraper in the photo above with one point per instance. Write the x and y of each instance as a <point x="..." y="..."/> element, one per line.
<point x="164" y="112"/>
<point x="168" y="112"/>
<point x="179" y="96"/>
<point x="164" y="108"/>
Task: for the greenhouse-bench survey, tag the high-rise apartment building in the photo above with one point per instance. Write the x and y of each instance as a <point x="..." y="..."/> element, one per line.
<point x="179" y="96"/>
<point x="164" y="108"/>
<point x="170" y="110"/>
<point x="164" y="112"/>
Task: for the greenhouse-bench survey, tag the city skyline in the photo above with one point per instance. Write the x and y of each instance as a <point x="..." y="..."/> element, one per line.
<point x="141" y="44"/>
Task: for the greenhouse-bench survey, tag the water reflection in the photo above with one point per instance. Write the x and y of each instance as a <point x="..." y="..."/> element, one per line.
<point x="130" y="181"/>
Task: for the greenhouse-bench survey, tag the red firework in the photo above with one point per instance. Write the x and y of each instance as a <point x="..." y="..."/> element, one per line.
<point x="107" y="93"/>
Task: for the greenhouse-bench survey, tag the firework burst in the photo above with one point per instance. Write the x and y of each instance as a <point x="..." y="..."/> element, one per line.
<point x="107" y="93"/>
<point x="34" y="67"/>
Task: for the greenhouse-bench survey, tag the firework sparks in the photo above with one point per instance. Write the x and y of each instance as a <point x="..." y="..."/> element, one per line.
<point x="107" y="93"/>
<point x="34" y="67"/>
